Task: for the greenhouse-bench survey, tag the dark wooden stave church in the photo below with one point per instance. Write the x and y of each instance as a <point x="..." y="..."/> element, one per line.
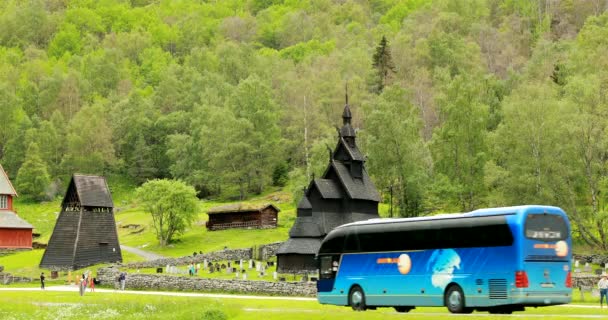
<point x="85" y="232"/>
<point x="344" y="194"/>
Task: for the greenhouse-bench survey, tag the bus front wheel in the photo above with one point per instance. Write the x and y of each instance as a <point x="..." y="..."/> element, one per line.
<point x="356" y="299"/>
<point x="454" y="300"/>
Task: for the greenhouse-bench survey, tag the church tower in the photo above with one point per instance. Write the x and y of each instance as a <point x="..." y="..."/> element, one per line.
<point x="344" y="194"/>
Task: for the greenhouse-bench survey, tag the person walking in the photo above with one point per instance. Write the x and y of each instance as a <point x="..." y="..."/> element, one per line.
<point x="42" y="281"/>
<point x="91" y="283"/>
<point x="83" y="284"/>
<point x="603" y="286"/>
<point x="122" y="278"/>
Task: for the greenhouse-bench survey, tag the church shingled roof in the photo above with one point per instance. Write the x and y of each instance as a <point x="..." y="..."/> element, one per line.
<point x="353" y="151"/>
<point x="305" y="227"/>
<point x="300" y="246"/>
<point x="93" y="191"/>
<point x="363" y="188"/>
<point x="304" y="203"/>
<point x="328" y="189"/>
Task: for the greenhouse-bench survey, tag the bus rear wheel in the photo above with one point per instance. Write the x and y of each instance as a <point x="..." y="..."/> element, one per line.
<point x="454" y="300"/>
<point x="356" y="299"/>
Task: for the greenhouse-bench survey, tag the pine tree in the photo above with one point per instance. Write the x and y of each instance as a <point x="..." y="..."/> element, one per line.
<point x="384" y="66"/>
<point x="33" y="177"/>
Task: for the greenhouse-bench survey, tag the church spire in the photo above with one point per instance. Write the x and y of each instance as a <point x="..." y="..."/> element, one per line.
<point x="347" y="131"/>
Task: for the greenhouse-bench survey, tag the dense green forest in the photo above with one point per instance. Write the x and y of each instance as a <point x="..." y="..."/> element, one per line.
<point x="459" y="104"/>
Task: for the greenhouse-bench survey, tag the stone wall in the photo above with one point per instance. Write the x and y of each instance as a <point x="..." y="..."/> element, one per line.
<point x="8" y="278"/>
<point x="591" y="258"/>
<point x="584" y="280"/>
<point x="108" y="276"/>
<point x="223" y="255"/>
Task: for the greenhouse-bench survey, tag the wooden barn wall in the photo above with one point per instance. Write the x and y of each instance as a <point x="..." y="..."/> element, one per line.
<point x="230" y="217"/>
<point x="269" y="217"/>
<point x="362" y="207"/>
<point x="296" y="262"/>
<point x="15" y="238"/>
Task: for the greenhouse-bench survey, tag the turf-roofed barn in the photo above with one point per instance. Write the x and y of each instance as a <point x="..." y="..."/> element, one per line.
<point x="15" y="233"/>
<point x="344" y="194"/>
<point x="242" y="215"/>
<point x="85" y="232"/>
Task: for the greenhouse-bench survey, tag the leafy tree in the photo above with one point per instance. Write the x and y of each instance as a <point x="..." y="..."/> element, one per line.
<point x="66" y="41"/>
<point x="33" y="177"/>
<point x="89" y="142"/>
<point x="253" y="102"/>
<point x="142" y="168"/>
<point x="16" y="146"/>
<point x="459" y="146"/>
<point x="530" y="145"/>
<point x="398" y="157"/>
<point x="172" y="204"/>
<point x="382" y="61"/>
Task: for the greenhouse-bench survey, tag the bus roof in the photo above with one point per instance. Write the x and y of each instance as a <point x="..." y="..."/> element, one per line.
<point x="475" y="213"/>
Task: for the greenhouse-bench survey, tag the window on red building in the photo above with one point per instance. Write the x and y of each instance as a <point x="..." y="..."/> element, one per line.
<point x="3" y="201"/>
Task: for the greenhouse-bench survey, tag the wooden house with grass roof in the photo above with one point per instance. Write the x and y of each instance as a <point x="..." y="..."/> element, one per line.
<point x="241" y="215"/>
<point x="344" y="194"/>
<point x="85" y="232"/>
<point x="15" y="233"/>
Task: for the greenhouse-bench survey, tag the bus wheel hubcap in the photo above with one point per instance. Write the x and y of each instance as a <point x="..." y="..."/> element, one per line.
<point x="455" y="299"/>
<point x="356" y="298"/>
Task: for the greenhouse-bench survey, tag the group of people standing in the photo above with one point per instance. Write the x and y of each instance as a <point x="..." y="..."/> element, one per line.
<point x="86" y="280"/>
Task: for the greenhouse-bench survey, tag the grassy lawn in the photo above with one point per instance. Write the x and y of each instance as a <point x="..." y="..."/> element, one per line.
<point x="98" y="305"/>
<point x="135" y="229"/>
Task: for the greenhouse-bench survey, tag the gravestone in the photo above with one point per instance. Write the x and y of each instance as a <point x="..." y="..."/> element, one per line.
<point x="587" y="267"/>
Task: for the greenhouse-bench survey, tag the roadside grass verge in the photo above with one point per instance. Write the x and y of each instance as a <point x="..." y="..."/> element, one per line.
<point x="123" y="305"/>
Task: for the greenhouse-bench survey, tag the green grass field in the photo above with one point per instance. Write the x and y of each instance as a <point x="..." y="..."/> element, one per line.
<point x="121" y="305"/>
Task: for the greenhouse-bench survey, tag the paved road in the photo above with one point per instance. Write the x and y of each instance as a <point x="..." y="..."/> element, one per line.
<point x="145" y="254"/>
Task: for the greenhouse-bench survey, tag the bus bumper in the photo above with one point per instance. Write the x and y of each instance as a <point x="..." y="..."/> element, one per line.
<point x="533" y="298"/>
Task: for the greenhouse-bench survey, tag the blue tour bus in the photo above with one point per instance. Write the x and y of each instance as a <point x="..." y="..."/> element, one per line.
<point x="498" y="260"/>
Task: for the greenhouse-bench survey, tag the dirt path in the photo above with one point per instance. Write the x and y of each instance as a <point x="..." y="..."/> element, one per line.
<point x="145" y="254"/>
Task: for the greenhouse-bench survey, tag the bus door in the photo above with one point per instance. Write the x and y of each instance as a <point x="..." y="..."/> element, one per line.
<point x="328" y="268"/>
<point x="546" y="253"/>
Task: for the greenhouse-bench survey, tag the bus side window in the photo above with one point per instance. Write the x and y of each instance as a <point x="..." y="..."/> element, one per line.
<point x="326" y="267"/>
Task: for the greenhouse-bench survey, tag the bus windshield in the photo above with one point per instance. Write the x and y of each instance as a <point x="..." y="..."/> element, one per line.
<point x="545" y="227"/>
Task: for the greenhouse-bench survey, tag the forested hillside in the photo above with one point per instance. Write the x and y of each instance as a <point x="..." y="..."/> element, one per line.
<point x="459" y="104"/>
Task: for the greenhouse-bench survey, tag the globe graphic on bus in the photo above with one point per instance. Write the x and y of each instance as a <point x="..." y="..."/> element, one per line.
<point x="442" y="264"/>
<point x="405" y="264"/>
<point x="561" y="248"/>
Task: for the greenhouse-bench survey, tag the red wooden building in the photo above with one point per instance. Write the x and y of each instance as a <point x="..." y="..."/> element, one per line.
<point x="15" y="233"/>
<point x="243" y="216"/>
